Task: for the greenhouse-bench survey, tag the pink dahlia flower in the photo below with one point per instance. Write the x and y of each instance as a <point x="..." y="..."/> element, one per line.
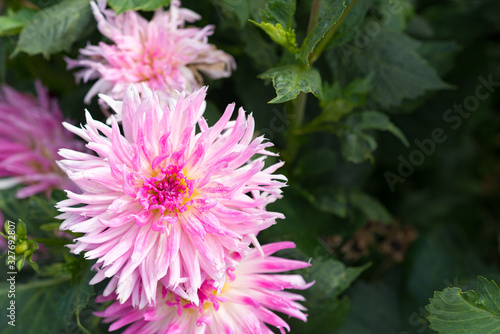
<point x="31" y="134"/>
<point x="162" y="53"/>
<point x="164" y="201"/>
<point x="245" y="305"/>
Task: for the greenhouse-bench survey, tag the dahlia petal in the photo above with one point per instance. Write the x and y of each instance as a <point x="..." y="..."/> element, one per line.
<point x="244" y="305"/>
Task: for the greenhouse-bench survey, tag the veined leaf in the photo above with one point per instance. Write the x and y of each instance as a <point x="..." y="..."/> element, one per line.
<point x="279" y="11"/>
<point x="399" y="72"/>
<point x="326" y="22"/>
<point x="290" y="80"/>
<point x="350" y="27"/>
<point x="277" y="22"/>
<point x="471" y="312"/>
<point x="147" y="5"/>
<point x="282" y="36"/>
<point x="368" y="120"/>
<point x="338" y="102"/>
<point x="54" y="28"/>
<point x="358" y="146"/>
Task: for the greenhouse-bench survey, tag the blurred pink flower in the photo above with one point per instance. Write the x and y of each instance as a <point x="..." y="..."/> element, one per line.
<point x="162" y="53"/>
<point x="165" y="201"/>
<point x="31" y="133"/>
<point x="245" y="305"/>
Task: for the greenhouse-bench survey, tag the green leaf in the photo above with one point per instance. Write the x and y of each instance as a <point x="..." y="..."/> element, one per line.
<point x="147" y="5"/>
<point x="76" y="297"/>
<point x="337" y="102"/>
<point x="55" y="28"/>
<point x="277" y="22"/>
<point x="471" y="312"/>
<point x="279" y="11"/>
<point x="330" y="199"/>
<point x="399" y="72"/>
<point x="444" y="251"/>
<point x="13" y="22"/>
<point x="374" y="120"/>
<point x="370" y="206"/>
<point x="337" y="200"/>
<point x="241" y="9"/>
<point x="333" y="111"/>
<point x="357" y="146"/>
<point x="352" y="22"/>
<point x="20" y="263"/>
<point x="333" y="278"/>
<point x="34" y="211"/>
<point x="326" y="22"/>
<point x="279" y="34"/>
<point x="290" y="80"/>
<point x="37" y="302"/>
<point x="356" y="90"/>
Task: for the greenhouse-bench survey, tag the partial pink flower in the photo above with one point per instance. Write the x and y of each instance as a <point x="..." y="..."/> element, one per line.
<point x="163" y="53"/>
<point x="253" y="290"/>
<point x="31" y="134"/>
<point x="163" y="201"/>
<point x="3" y="241"/>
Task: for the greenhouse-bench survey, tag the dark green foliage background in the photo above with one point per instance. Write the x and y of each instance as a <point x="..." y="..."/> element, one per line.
<point x="386" y="78"/>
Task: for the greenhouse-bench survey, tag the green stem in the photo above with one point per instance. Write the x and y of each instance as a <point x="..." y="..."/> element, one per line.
<point x="41" y="284"/>
<point x="297" y="108"/>
<point x="300" y="104"/>
<point x="318" y="50"/>
<point x="83" y="329"/>
<point x="300" y="107"/>
<point x="314" y="15"/>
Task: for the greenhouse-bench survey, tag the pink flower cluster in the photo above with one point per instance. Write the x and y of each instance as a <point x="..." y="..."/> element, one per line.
<point x="163" y="53"/>
<point x="31" y="134"/>
<point x="168" y="206"/>
<point x="170" y="211"/>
